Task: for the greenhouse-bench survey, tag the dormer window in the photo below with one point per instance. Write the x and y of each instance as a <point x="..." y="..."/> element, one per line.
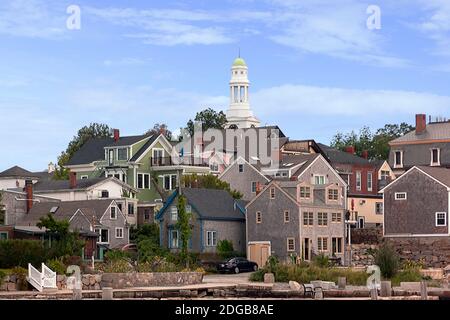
<point x="333" y="194"/>
<point x="305" y="192"/>
<point x="398" y="159"/>
<point x="122" y="154"/>
<point x="435" y="157"/>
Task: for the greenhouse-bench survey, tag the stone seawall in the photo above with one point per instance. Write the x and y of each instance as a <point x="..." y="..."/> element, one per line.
<point x="120" y="280"/>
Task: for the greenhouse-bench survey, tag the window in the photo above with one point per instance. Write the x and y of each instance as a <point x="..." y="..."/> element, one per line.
<point x="122" y="154"/>
<point x="241" y="168"/>
<point x="157" y="156"/>
<point x="214" y="167"/>
<point x="84" y="177"/>
<point x="211" y="238"/>
<point x="379" y="208"/>
<point x="369" y="181"/>
<point x="322" y="244"/>
<point x="254" y="184"/>
<point x="435" y="156"/>
<point x="441" y="219"/>
<point x="308" y="218"/>
<point x="398" y="159"/>
<point x="147" y="214"/>
<point x="385" y="175"/>
<point x="286" y="216"/>
<point x="333" y="194"/>
<point x="105" y="194"/>
<point x="103" y="235"/>
<point x="170" y="181"/>
<point x="143" y="181"/>
<point x="305" y="192"/>
<point x="3" y="236"/>
<point x="401" y="196"/>
<point x="111" y="156"/>
<point x="358" y="180"/>
<point x="336" y="217"/>
<point x="113" y="213"/>
<point x="119" y="233"/>
<point x="120" y="205"/>
<point x="336" y="245"/>
<point x="131" y="209"/>
<point x="272" y="193"/>
<point x="174" y="213"/>
<point x="290" y="244"/>
<point x="188" y="208"/>
<point x="173" y="235"/>
<point x="319" y="179"/>
<point x="258" y="217"/>
<point x="322" y="218"/>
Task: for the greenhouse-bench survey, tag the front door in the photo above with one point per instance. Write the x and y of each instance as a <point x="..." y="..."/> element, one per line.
<point x="361" y="222"/>
<point x="306" y="249"/>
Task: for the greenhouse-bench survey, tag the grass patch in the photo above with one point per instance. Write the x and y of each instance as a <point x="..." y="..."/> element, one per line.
<point x="407" y="275"/>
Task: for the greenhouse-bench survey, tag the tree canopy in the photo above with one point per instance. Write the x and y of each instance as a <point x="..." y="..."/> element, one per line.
<point x="160" y="128"/>
<point x="93" y="130"/>
<point x="209" y="181"/>
<point x="209" y="118"/>
<point x="377" y="144"/>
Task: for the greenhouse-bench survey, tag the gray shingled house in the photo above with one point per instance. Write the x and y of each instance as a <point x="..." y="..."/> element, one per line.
<point x="215" y="216"/>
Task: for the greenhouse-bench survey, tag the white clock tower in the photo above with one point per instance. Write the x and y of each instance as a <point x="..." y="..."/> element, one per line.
<point x="239" y="115"/>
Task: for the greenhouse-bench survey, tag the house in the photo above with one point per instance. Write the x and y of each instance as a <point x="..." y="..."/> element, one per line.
<point x="16" y="176"/>
<point x="300" y="216"/>
<point x="427" y="145"/>
<point x="244" y="177"/>
<point x="363" y="178"/>
<point x="100" y="218"/>
<point x="215" y="216"/>
<point x="416" y="205"/>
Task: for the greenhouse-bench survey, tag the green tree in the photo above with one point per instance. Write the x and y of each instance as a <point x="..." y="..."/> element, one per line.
<point x="2" y="210"/>
<point x="145" y="232"/>
<point x="94" y="130"/>
<point x="184" y="227"/>
<point x="209" y="181"/>
<point x="63" y="241"/>
<point x="161" y="128"/>
<point x="225" y="248"/>
<point x="209" y="118"/>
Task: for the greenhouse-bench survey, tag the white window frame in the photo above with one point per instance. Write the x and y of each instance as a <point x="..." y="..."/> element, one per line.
<point x="328" y="194"/>
<point x="99" y="230"/>
<point x="117" y="154"/>
<point x="358" y="180"/>
<point x="293" y="244"/>
<point x="211" y="238"/>
<point x="369" y="181"/>
<point x="272" y="193"/>
<point x="320" y="244"/>
<point x="305" y="187"/>
<point x="396" y="196"/>
<point x="255" y="185"/>
<point x="239" y="168"/>
<point x="171" y="239"/>
<point x="84" y="177"/>
<point x="286" y="214"/>
<point x="438" y="163"/>
<point x="395" y="159"/>
<point x="382" y="208"/>
<point x="258" y="217"/>
<point x="122" y="232"/>
<point x="171" y="186"/>
<point x="115" y="212"/>
<point x="173" y="213"/>
<point x="337" y="240"/>
<point x="319" y="176"/>
<point x="445" y="219"/>
<point x="142" y="187"/>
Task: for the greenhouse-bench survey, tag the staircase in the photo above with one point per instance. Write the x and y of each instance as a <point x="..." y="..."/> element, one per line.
<point x="41" y="280"/>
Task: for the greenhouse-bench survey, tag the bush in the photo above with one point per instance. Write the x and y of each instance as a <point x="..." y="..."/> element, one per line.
<point x="145" y="232"/>
<point x="57" y="266"/>
<point x="225" y="249"/>
<point x="148" y="249"/>
<point x="18" y="253"/>
<point x="116" y="255"/>
<point x="2" y="276"/>
<point x="388" y="261"/>
<point x="321" y="261"/>
<point x="407" y="275"/>
<point x="21" y="274"/>
<point x="119" y="266"/>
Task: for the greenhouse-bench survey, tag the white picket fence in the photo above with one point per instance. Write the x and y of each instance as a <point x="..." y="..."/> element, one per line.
<point x="41" y="280"/>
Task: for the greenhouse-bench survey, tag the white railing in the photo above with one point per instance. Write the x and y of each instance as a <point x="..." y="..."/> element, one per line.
<point x="41" y="280"/>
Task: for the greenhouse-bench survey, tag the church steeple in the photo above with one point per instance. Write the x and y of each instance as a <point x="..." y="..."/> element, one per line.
<point x="239" y="113"/>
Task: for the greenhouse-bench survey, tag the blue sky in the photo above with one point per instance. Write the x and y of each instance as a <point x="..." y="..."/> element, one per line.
<point x="315" y="67"/>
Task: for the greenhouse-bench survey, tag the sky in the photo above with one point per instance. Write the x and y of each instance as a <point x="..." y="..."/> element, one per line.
<point x="316" y="67"/>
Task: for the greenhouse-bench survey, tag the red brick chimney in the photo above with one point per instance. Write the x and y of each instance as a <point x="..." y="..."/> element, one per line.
<point x="29" y="193"/>
<point x="350" y="149"/>
<point x="116" y="134"/>
<point x="365" y="154"/>
<point x="73" y="180"/>
<point x="421" y="123"/>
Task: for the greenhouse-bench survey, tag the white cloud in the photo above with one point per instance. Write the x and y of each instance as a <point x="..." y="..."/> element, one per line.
<point x="32" y="18"/>
<point x="297" y="100"/>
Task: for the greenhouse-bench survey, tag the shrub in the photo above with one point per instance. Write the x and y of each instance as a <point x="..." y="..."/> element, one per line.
<point x="321" y="261"/>
<point x="388" y="261"/>
<point x="14" y="253"/>
<point x="225" y="249"/>
<point x="407" y="275"/>
<point x="157" y="264"/>
<point x="258" y="276"/>
<point x="21" y="274"/>
<point x="147" y="249"/>
<point x="116" y="255"/>
<point x="145" y="232"/>
<point x="119" y="266"/>
<point x="57" y="266"/>
<point x="271" y="264"/>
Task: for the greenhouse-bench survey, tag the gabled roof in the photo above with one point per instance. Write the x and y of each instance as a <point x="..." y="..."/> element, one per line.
<point x="304" y="160"/>
<point x="82" y="184"/>
<point x="241" y="160"/>
<point x="144" y="148"/>
<point x="275" y="184"/>
<point x="93" y="149"/>
<point x="17" y="171"/>
<point x="210" y="204"/>
<point x="341" y="157"/>
<point x="64" y="210"/>
<point x="433" y="131"/>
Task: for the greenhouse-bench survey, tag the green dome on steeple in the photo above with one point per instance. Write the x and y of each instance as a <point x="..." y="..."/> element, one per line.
<point x="239" y="62"/>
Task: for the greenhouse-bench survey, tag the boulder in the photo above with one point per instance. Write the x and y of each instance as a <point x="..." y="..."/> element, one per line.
<point x="269" y="278"/>
<point x="295" y="286"/>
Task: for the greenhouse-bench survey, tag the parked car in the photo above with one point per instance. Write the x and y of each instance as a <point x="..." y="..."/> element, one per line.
<point x="237" y="265"/>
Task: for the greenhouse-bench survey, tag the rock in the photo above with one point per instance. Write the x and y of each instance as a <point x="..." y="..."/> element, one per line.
<point x="386" y="289"/>
<point x="11" y="286"/>
<point x="295" y="286"/>
<point x="97" y="286"/>
<point x="85" y="280"/>
<point x="269" y="278"/>
<point x="92" y="280"/>
<point x="12" y="278"/>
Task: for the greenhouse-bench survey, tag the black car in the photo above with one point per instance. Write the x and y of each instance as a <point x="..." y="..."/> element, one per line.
<point x="237" y="265"/>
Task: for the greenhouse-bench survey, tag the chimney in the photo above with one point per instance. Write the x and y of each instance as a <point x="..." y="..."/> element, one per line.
<point x="350" y="149"/>
<point x="73" y="180"/>
<point x="421" y="123"/>
<point x="116" y="134"/>
<point x="365" y="154"/>
<point x="29" y="193"/>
